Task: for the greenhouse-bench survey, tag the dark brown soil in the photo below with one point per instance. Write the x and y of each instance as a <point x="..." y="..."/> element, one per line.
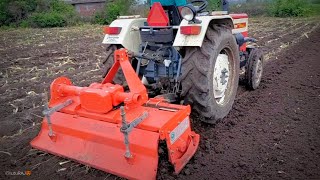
<point x="271" y="133"/>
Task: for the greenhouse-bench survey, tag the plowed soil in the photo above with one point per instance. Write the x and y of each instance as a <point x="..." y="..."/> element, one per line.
<point x="271" y="133"/>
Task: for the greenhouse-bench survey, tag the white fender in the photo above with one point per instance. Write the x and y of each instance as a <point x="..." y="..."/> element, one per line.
<point x="129" y="36"/>
<point x="196" y="40"/>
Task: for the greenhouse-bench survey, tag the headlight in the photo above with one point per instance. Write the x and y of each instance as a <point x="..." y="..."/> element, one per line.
<point x="188" y="12"/>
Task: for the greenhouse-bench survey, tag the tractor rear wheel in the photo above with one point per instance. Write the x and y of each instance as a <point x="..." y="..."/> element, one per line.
<point x="210" y="74"/>
<point x="109" y="61"/>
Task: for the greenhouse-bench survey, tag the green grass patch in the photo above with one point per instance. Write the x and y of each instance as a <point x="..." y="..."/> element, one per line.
<point x="36" y="13"/>
<point x="290" y="8"/>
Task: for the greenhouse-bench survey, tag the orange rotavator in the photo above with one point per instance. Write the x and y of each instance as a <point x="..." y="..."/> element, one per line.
<point x="113" y="130"/>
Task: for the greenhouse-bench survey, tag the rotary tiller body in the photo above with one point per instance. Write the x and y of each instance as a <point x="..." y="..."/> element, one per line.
<point x="113" y="130"/>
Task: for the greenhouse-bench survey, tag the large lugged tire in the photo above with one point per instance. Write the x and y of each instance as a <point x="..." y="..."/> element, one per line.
<point x="108" y="62"/>
<point x="254" y="69"/>
<point x="205" y="69"/>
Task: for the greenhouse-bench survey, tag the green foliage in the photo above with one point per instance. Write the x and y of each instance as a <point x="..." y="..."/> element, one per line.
<point x="12" y="11"/>
<point x="278" y="8"/>
<point x="315" y="1"/>
<point x="61" y="7"/>
<point x="49" y="19"/>
<point x="252" y="9"/>
<point x="4" y="16"/>
<point x="315" y="9"/>
<point x="100" y="17"/>
<point x="289" y="8"/>
<point x="214" y="5"/>
<point x="58" y="14"/>
<point x="24" y="24"/>
<point x="36" y="13"/>
<point x="112" y="10"/>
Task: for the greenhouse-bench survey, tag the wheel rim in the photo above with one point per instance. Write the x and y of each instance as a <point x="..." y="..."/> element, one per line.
<point x="221" y="78"/>
<point x="258" y="72"/>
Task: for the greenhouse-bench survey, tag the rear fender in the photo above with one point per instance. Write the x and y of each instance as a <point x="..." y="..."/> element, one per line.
<point x="230" y="21"/>
<point x="196" y="40"/>
<point x="129" y="36"/>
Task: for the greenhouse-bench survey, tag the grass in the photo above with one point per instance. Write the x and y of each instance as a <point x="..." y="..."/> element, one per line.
<point x="263" y="9"/>
<point x="314" y="9"/>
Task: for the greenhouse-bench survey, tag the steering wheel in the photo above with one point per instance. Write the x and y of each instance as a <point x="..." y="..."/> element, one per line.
<point x="203" y="5"/>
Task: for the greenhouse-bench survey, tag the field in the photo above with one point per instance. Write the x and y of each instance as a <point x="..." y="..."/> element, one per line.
<point x="271" y="133"/>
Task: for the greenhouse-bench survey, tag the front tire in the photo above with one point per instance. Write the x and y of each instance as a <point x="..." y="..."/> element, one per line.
<point x="254" y="69"/>
<point x="210" y="74"/>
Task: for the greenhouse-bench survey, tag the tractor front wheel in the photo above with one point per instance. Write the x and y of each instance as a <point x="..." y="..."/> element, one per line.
<point x="254" y="69"/>
<point x="210" y="74"/>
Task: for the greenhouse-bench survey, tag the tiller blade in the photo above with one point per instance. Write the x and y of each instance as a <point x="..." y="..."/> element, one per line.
<point x="115" y="131"/>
